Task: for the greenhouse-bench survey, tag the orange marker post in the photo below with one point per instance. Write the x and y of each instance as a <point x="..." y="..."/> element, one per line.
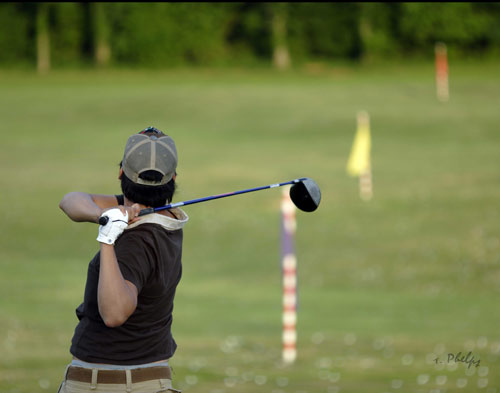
<point x="442" y="87"/>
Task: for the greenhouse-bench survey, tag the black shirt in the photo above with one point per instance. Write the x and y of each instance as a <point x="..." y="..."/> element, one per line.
<point x="149" y="256"/>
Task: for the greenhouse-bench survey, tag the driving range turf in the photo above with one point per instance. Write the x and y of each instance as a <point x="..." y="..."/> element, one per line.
<point x="386" y="287"/>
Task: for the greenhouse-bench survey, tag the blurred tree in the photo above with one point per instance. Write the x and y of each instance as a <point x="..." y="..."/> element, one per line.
<point x="66" y="24"/>
<point x="490" y="42"/>
<point x="460" y="25"/>
<point x="42" y="38"/>
<point x="100" y="33"/>
<point x="378" y="29"/>
<point x="15" y="21"/>
<point x="281" y="55"/>
<point x="166" y="34"/>
<point x="324" y="30"/>
<point x="249" y="34"/>
<point x="202" y="28"/>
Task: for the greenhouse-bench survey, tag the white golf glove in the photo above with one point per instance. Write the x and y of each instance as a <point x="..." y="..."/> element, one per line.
<point x="117" y="222"/>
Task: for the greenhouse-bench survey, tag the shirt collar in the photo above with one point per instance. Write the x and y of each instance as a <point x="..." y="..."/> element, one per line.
<point x="169" y="223"/>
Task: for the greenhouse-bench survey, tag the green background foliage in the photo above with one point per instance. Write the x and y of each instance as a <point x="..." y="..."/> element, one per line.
<point x="15" y="36"/>
<point x="176" y="34"/>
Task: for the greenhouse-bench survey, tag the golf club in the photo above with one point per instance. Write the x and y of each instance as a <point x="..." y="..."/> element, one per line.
<point x="304" y="193"/>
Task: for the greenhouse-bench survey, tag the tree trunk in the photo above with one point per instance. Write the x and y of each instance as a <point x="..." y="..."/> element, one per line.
<point x="102" y="50"/>
<point x="281" y="55"/>
<point x="42" y="38"/>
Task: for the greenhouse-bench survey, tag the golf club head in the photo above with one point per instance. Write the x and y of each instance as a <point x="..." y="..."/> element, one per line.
<point x="306" y="195"/>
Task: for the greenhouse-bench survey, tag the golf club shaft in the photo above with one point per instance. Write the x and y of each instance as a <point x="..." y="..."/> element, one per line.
<point x="209" y="198"/>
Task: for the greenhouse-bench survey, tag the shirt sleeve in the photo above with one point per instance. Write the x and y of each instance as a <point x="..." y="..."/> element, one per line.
<point x="134" y="259"/>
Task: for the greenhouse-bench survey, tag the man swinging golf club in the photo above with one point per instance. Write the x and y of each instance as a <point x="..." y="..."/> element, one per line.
<point x="123" y="340"/>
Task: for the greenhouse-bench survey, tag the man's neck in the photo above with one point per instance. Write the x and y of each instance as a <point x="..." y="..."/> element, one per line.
<point x="128" y="202"/>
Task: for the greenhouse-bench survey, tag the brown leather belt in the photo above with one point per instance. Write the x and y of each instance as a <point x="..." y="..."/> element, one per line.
<point x="81" y="374"/>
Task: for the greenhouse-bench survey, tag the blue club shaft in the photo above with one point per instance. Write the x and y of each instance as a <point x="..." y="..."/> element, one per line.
<point x="209" y="198"/>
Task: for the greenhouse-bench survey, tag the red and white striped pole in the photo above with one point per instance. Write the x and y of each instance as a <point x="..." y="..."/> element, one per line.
<point x="289" y="272"/>
<point x="442" y="88"/>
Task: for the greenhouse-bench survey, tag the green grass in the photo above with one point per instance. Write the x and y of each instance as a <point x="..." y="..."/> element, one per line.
<point x="385" y="287"/>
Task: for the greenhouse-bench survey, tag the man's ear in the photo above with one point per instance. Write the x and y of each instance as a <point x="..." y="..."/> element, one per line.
<point x="174" y="176"/>
<point x="120" y="174"/>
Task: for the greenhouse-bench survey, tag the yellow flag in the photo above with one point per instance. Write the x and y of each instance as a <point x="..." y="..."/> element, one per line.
<point x="359" y="160"/>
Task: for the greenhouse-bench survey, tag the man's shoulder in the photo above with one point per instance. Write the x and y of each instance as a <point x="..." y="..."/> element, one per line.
<point x="149" y="235"/>
<point x="144" y="231"/>
<point x="150" y="227"/>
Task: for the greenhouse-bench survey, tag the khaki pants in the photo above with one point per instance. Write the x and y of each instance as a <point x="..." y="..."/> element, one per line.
<point x="152" y="386"/>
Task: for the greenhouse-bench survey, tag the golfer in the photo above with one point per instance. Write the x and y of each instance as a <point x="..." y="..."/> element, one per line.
<point x="123" y="340"/>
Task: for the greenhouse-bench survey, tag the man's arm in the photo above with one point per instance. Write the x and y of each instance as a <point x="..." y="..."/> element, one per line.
<point x="116" y="297"/>
<point x="83" y="207"/>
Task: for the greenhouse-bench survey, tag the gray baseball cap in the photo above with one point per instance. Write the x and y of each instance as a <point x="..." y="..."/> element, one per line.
<point x="146" y="153"/>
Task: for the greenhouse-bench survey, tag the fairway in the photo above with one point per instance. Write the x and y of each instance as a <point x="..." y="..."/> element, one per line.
<point x="387" y="288"/>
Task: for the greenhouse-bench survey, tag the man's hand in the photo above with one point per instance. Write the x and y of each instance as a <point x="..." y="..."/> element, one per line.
<point x="117" y="222"/>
